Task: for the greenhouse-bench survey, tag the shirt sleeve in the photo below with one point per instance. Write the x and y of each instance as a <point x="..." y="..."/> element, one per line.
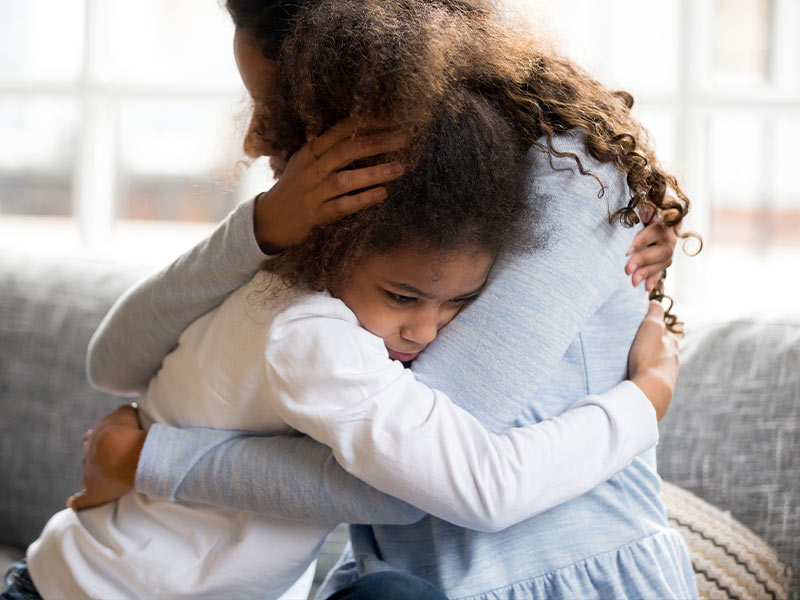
<point x="336" y="383"/>
<point x="288" y="477"/>
<point x="144" y="325"/>
<point x="417" y="447"/>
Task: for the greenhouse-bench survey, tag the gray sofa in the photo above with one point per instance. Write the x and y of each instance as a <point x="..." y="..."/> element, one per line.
<point x="732" y="435"/>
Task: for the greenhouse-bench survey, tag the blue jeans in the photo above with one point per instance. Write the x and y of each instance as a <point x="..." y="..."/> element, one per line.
<point x="19" y="585"/>
<point x="389" y="585"/>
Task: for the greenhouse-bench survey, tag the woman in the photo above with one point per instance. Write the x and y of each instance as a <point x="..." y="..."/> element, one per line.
<point x="566" y="317"/>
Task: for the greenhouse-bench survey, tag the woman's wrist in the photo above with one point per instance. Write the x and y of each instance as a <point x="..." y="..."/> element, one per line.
<point x="261" y="226"/>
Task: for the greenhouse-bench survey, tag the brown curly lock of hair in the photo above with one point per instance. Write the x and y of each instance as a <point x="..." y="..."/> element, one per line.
<point x="411" y="61"/>
<point x="468" y="192"/>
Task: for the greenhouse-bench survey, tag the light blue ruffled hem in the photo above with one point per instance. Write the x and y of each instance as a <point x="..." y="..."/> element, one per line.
<point x="655" y="567"/>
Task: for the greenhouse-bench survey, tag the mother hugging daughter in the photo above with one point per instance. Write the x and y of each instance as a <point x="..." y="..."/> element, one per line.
<point x="504" y="145"/>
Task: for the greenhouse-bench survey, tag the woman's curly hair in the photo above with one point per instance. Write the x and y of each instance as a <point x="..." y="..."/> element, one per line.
<point x="410" y="61"/>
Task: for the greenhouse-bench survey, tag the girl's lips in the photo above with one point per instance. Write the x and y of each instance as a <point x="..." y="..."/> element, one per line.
<point x="402" y="356"/>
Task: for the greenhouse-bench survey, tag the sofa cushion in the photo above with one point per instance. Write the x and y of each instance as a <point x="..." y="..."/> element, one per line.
<point x="730" y="561"/>
<point x="732" y="434"/>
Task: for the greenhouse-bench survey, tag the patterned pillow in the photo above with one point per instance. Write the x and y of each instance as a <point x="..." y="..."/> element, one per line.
<point x="729" y="560"/>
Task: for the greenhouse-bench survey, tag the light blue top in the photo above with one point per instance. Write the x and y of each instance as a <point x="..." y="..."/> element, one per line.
<point x="552" y="327"/>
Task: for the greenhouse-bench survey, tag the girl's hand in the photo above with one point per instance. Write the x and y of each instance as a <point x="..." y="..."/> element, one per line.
<point x="653" y="363"/>
<point x="111" y="451"/>
<point x="652" y="250"/>
<point x="312" y="189"/>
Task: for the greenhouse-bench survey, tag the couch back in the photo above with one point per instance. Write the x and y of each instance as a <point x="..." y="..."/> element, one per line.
<point x="732" y="434"/>
<point x="49" y="309"/>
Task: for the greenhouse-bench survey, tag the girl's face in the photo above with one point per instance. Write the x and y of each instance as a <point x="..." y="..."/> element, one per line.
<point x="258" y="76"/>
<point x="406" y="297"/>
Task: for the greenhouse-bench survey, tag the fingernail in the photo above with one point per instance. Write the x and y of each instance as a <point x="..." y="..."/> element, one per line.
<point x="631" y="268"/>
<point x="630" y="251"/>
<point x="637" y="279"/>
<point x="397" y="169"/>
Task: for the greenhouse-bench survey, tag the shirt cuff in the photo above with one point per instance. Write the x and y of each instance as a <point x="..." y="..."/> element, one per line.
<point x="243" y="237"/>
<point x="631" y="413"/>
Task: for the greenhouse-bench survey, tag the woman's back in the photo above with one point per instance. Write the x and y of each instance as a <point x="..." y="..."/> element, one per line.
<point x="567" y="320"/>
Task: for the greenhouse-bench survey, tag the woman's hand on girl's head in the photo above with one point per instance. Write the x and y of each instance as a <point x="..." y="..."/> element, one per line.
<point x="316" y="189"/>
<point x="653" y="362"/>
<point x="111" y="451"/>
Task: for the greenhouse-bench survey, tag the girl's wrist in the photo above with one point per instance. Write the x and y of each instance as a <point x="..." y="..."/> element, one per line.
<point x="658" y="391"/>
<point x="119" y="450"/>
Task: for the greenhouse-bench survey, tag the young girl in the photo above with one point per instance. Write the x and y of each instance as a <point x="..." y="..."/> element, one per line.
<point x="316" y="355"/>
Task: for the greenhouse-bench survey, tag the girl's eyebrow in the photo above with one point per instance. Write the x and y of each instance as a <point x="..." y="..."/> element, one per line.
<point x="410" y="288"/>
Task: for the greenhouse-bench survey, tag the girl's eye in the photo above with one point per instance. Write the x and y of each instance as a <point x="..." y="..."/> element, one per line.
<point x="464" y="300"/>
<point x="399" y="299"/>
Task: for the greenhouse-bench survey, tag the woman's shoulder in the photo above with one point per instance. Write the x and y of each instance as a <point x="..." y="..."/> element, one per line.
<point x="564" y="170"/>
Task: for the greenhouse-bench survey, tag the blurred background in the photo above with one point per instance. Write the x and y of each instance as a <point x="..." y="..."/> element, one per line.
<point x="120" y="127"/>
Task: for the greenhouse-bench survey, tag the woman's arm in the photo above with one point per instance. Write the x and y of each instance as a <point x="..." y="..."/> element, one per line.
<point x="144" y="325"/>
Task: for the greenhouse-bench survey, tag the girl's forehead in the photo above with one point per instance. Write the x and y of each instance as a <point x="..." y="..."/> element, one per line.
<point x="435" y="271"/>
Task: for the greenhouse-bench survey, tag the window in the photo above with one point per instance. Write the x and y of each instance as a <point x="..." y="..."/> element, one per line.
<point x="123" y="119"/>
<point x="117" y="116"/>
<point x="717" y="83"/>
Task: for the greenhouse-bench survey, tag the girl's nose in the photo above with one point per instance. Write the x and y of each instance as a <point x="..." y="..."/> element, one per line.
<point x="421" y="330"/>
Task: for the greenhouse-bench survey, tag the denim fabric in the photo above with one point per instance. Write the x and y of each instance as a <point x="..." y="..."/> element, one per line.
<point x="19" y="585"/>
<point x="389" y="585"/>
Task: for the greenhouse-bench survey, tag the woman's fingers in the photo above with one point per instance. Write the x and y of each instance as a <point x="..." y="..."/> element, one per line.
<point x="344" y="205"/>
<point x="315" y="188"/>
<point x="343" y="130"/>
<point x="355" y="148"/>
<point x="344" y="182"/>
